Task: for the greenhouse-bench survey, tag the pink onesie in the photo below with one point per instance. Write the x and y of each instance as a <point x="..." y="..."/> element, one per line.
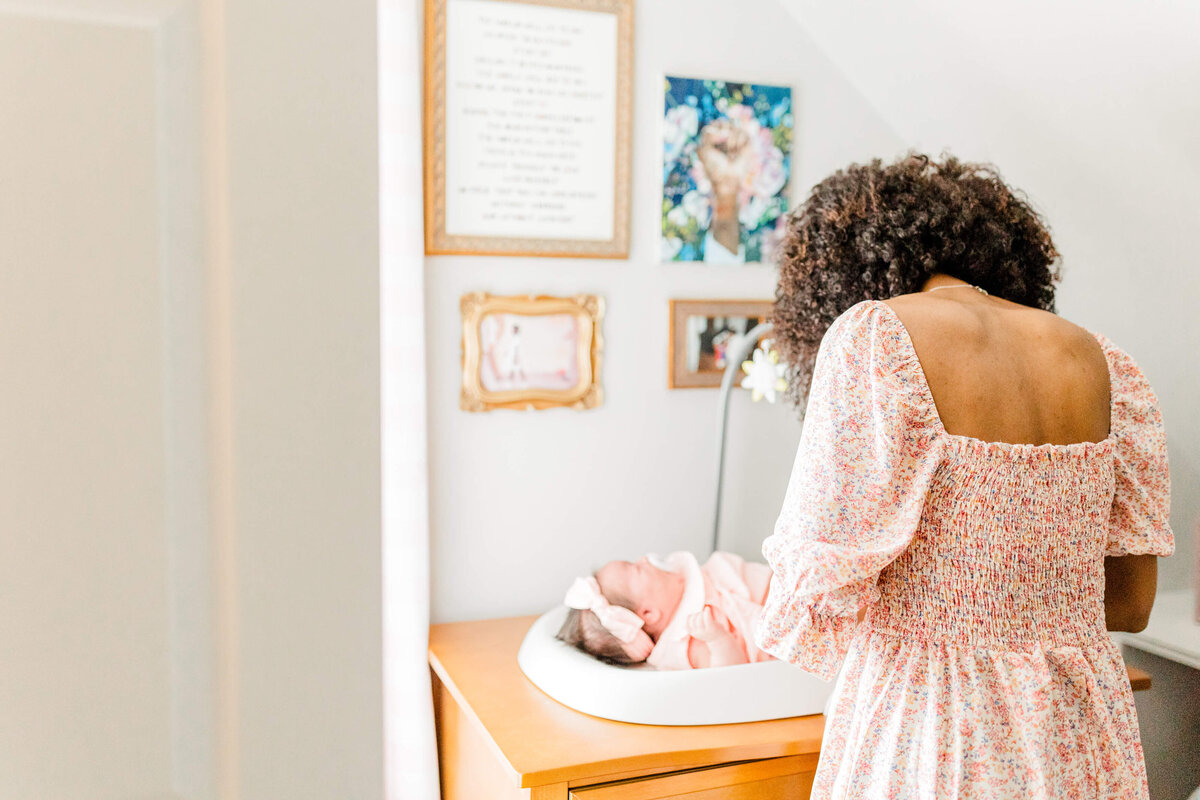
<point x="726" y="582"/>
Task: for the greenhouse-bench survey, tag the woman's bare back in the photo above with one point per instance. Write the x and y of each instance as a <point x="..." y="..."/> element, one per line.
<point x="1003" y="372"/>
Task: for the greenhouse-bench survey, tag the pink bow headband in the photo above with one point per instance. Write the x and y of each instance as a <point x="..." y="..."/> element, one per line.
<point x="622" y="623"/>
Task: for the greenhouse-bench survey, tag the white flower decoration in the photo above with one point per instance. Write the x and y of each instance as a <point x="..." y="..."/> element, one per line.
<point x="764" y="375"/>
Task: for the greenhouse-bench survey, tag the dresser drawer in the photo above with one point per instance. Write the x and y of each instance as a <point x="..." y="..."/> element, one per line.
<point x="787" y="778"/>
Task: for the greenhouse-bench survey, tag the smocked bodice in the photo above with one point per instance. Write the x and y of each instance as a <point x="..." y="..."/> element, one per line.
<point x="996" y="560"/>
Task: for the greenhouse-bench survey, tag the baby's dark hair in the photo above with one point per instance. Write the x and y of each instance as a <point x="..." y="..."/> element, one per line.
<point x="874" y="231"/>
<point x="582" y="630"/>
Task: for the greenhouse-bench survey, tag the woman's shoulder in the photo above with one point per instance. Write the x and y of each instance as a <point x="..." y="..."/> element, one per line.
<point x="868" y="333"/>
<point x="942" y="329"/>
<point x="1125" y="377"/>
<point x="1120" y="363"/>
<point x="1128" y="385"/>
<point x="857" y="318"/>
<point x="921" y="310"/>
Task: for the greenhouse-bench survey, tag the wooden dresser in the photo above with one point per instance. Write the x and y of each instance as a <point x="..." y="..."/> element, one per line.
<point x="500" y="737"/>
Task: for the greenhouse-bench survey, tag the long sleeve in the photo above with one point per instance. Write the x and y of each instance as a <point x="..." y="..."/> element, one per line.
<point x="1139" y="522"/>
<point x="868" y="452"/>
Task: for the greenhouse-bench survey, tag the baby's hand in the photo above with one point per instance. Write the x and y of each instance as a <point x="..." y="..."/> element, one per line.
<point x="703" y="625"/>
<point x="639" y="649"/>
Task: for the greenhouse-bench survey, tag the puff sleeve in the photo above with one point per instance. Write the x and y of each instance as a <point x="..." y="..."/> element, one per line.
<point x="1139" y="522"/>
<point x="867" y="455"/>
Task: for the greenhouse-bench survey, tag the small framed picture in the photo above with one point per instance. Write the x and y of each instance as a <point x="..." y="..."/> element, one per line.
<point x="701" y="333"/>
<point x="530" y="352"/>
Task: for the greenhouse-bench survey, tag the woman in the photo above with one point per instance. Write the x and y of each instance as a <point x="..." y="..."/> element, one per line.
<point x="980" y="494"/>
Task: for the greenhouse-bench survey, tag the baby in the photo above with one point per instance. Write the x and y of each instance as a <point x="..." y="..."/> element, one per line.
<point x="671" y="613"/>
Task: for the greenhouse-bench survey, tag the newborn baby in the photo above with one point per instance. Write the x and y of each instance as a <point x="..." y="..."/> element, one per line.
<point x="671" y="613"/>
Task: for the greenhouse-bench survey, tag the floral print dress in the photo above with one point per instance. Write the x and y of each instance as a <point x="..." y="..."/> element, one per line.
<point x="983" y="668"/>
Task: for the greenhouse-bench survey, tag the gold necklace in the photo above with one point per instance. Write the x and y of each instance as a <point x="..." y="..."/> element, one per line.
<point x="979" y="289"/>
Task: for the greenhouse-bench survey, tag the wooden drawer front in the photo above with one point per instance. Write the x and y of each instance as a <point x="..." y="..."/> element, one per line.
<point x="788" y="778"/>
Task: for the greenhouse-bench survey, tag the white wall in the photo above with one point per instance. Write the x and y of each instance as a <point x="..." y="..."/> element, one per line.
<point x="522" y="501"/>
<point x="1093" y="111"/>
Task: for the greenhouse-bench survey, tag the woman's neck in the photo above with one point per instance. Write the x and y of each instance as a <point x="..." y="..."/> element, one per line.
<point x="940" y="279"/>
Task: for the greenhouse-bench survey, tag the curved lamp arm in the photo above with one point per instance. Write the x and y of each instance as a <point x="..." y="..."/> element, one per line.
<point x="737" y="353"/>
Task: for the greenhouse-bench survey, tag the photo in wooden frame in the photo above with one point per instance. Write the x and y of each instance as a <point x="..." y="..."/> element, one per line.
<point x="527" y="127"/>
<point x="700" y="333"/>
<point x="531" y="352"/>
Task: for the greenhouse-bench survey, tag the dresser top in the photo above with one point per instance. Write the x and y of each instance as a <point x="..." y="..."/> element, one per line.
<point x="543" y="741"/>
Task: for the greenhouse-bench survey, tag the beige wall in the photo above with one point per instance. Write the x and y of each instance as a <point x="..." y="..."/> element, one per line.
<point x="87" y="545"/>
<point x="190" y="499"/>
<point x="304" y="396"/>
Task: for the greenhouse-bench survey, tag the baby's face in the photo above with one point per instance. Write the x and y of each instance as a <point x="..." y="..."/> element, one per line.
<point x="644" y="585"/>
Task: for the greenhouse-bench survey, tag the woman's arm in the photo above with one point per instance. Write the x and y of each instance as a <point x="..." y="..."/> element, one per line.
<point x="1139" y="523"/>
<point x="1130" y="583"/>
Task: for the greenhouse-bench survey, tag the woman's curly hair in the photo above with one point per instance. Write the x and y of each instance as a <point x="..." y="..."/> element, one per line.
<point x="875" y="231"/>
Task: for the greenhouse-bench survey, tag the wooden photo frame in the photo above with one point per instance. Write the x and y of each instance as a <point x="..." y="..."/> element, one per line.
<point x="527" y="127"/>
<point x="531" y="352"/>
<point x="696" y="332"/>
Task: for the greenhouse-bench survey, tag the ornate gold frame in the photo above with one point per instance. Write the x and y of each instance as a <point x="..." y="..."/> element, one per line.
<point x="437" y="241"/>
<point x="588" y="308"/>
<point x="677" y="375"/>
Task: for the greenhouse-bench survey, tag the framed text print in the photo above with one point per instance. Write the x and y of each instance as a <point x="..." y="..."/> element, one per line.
<point x="527" y="127"/>
<point x="531" y="352"/>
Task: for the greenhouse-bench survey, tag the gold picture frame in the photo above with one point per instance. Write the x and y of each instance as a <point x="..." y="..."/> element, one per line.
<point x="437" y="240"/>
<point x="491" y="333"/>
<point x="687" y="369"/>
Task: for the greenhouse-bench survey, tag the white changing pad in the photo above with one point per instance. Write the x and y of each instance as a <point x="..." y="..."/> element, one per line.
<point x="713" y="696"/>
